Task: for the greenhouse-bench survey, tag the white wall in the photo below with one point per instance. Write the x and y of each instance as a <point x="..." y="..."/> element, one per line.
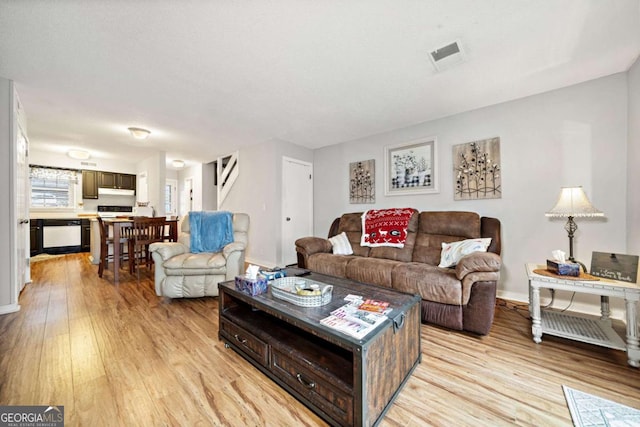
<point x="47" y="158"/>
<point x="633" y="159"/>
<point x="258" y="192"/>
<point x="155" y="167"/>
<point x="572" y="136"/>
<point x="209" y="191"/>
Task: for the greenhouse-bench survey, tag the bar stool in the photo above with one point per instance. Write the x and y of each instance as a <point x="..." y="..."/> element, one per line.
<point x="143" y="232"/>
<point x="105" y="242"/>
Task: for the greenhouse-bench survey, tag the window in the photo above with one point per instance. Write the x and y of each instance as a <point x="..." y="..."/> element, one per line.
<point x="53" y="188"/>
<point x="171" y="197"/>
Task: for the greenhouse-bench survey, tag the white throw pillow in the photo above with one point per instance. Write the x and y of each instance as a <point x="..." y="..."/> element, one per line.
<point x="341" y="245"/>
<point x="452" y="252"/>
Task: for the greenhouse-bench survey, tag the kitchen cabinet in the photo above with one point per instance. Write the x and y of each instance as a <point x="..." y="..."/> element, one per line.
<point x="108" y="179"/>
<point x="89" y="184"/>
<point x="120" y="181"/>
<point x="127" y="182"/>
<point x="35" y="228"/>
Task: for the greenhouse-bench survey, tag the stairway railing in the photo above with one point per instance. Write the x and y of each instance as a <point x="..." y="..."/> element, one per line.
<point x="227" y="170"/>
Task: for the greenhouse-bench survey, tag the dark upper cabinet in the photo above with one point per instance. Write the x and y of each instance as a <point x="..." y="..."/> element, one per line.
<point x="126" y="181"/>
<point x="89" y="184"/>
<point x="108" y="179"/>
<point x="121" y="181"/>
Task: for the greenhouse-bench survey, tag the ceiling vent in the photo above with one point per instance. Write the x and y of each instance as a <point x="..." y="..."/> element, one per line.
<point x="447" y="56"/>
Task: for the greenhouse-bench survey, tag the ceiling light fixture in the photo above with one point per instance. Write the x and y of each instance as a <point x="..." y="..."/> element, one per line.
<point x="79" y="154"/>
<point x="139" y="133"/>
<point x="178" y="163"/>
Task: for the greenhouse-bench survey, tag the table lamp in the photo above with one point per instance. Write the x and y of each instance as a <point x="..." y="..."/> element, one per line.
<point x="573" y="203"/>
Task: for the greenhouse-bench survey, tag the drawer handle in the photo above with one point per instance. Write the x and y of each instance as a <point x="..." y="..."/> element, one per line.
<point x="309" y="384"/>
<point x="240" y="340"/>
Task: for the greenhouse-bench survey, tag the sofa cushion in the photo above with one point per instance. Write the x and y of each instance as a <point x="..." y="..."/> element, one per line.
<point x="330" y="264"/>
<point x="351" y="224"/>
<point x="376" y="271"/>
<point x="190" y="264"/>
<point x="430" y="282"/>
<point x="451" y="223"/>
<point x="435" y="228"/>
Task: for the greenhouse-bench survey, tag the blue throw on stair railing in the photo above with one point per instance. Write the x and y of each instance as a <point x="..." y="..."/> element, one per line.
<point x="210" y="231"/>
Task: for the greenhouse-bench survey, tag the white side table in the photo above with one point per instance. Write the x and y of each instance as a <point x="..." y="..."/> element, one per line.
<point x="582" y="327"/>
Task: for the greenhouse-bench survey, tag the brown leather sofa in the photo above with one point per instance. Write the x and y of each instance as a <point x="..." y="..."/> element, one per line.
<point x="462" y="297"/>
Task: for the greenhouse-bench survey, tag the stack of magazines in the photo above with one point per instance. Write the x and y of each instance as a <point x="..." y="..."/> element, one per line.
<point x="358" y="318"/>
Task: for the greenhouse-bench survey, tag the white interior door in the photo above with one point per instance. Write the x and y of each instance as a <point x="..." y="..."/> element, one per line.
<point x="186" y="203"/>
<point x="142" y="188"/>
<point x="297" y="206"/>
<point x="22" y="206"/>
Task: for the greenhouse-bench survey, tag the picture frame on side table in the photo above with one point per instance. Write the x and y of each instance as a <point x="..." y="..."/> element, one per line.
<point x="621" y="267"/>
<point x="411" y="168"/>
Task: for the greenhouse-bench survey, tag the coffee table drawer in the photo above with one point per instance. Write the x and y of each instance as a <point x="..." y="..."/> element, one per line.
<point x="249" y="343"/>
<point x="320" y="391"/>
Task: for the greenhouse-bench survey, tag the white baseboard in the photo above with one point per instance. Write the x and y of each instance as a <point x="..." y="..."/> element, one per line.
<point x="9" y="308"/>
<point x="261" y="263"/>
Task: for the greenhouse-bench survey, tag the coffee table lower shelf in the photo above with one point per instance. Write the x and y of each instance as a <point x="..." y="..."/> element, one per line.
<point x="581" y="327"/>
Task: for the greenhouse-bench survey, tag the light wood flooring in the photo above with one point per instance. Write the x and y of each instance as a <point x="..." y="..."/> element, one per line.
<point x="118" y="355"/>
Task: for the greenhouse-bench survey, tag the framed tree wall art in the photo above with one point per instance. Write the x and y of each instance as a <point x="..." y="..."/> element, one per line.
<point x="411" y="168"/>
<point x="362" y="186"/>
<point x="476" y="170"/>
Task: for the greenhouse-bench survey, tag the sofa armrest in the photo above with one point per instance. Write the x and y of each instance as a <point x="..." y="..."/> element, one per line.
<point x="313" y="245"/>
<point x="168" y="250"/>
<point x="478" y="262"/>
<point x="307" y="246"/>
<point x="233" y="247"/>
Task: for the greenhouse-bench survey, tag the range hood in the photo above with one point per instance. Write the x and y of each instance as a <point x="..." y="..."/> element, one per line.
<point x="116" y="192"/>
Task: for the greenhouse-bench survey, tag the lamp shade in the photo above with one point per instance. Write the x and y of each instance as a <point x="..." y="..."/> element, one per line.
<point x="573" y="203"/>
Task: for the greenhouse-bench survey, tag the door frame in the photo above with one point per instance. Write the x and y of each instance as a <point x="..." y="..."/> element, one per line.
<point x="283" y="221"/>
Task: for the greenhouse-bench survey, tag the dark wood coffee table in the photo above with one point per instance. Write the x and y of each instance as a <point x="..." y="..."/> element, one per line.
<point x="344" y="380"/>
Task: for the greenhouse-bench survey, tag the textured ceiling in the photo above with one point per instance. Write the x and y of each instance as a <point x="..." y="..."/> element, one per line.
<point x="208" y="77"/>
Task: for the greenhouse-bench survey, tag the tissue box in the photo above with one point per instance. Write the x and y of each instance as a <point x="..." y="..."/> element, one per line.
<point x="563" y="268"/>
<point x="252" y="286"/>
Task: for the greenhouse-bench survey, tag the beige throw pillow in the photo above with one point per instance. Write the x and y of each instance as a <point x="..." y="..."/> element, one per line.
<point x="452" y="252"/>
<point x="341" y="245"/>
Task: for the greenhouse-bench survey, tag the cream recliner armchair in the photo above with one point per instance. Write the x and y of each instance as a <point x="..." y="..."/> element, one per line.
<point x="182" y="274"/>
